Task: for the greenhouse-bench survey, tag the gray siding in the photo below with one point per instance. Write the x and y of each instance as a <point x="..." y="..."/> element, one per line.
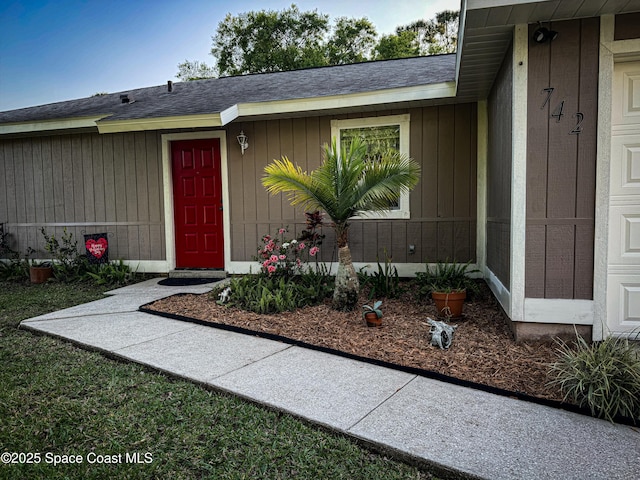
<point x="88" y="183"/>
<point x="93" y="183"/>
<point x="443" y="205"/>
<point x="499" y="160"/>
<point x="561" y="166"/>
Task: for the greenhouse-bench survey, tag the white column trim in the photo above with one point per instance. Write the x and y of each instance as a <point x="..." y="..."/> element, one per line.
<point x="603" y="166"/>
<point x="519" y="171"/>
<point x="481" y="185"/>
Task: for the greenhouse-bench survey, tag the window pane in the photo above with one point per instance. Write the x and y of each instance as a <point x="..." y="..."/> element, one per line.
<point x="378" y="140"/>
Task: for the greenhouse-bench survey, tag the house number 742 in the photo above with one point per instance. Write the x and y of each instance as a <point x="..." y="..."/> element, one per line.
<point x="558" y="112"/>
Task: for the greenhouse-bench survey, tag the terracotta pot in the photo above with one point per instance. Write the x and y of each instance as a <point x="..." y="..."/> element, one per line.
<point x="40" y="274"/>
<point x="373" y="320"/>
<point x="449" y="305"/>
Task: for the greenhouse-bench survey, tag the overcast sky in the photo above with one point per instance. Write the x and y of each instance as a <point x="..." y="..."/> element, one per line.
<point x="63" y="49"/>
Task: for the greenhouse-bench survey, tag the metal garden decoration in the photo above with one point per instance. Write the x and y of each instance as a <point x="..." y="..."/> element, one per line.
<point x="441" y="333"/>
<point x="224" y="296"/>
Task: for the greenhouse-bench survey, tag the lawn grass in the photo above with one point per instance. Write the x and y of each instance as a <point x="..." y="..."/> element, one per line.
<point x="58" y="399"/>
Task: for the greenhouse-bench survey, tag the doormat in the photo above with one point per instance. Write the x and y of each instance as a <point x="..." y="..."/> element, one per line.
<point x="186" y="282"/>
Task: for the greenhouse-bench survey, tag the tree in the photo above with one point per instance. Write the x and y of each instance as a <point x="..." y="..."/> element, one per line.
<point x="346" y="185"/>
<point x="436" y="36"/>
<point x="194" y="70"/>
<point x="352" y="41"/>
<point x="444" y="36"/>
<point x="273" y="41"/>
<point x="401" y="45"/>
<point x="269" y="41"/>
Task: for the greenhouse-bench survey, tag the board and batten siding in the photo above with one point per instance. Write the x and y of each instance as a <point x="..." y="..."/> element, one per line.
<point x="443" y="205"/>
<point x="499" y="161"/>
<point x="88" y="183"/>
<point x="561" y="166"/>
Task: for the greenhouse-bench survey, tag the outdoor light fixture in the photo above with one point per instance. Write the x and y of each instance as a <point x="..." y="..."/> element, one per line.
<point x="543" y="34"/>
<point x="242" y="140"/>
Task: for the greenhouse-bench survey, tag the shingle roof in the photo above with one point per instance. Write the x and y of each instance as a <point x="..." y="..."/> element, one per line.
<point x="216" y="95"/>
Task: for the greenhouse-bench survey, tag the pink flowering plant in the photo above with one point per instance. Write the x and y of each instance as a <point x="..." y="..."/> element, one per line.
<point x="281" y="257"/>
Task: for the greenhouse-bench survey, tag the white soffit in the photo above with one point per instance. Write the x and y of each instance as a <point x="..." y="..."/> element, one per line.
<point x="486" y="28"/>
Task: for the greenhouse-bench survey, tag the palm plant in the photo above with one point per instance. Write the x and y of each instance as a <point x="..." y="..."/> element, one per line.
<point x="345" y="186"/>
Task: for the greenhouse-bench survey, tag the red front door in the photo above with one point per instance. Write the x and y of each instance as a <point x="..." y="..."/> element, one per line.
<point x="197" y="197"/>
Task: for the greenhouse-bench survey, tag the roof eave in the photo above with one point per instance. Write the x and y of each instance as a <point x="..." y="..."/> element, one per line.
<point x="44" y="126"/>
<point x="161" y="123"/>
<point x="105" y="124"/>
<point x="442" y="90"/>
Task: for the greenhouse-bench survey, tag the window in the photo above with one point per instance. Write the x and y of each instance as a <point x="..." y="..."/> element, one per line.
<point x="380" y="134"/>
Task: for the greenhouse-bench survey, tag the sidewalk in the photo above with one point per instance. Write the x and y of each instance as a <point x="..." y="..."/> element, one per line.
<point x="463" y="430"/>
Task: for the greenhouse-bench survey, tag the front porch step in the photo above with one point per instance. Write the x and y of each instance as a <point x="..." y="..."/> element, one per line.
<point x="204" y="273"/>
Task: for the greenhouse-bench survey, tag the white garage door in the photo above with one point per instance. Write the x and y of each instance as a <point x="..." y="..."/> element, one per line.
<point x="623" y="281"/>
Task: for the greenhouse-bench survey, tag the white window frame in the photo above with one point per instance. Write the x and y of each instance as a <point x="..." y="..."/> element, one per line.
<point x="403" y="121"/>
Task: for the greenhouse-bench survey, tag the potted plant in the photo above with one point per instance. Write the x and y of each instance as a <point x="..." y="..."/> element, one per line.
<point x="372" y="315"/>
<point x="40" y="272"/>
<point x="448" y="284"/>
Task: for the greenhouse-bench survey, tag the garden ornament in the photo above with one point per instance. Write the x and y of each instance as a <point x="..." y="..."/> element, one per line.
<point x="441" y="333"/>
<point x="223" y="296"/>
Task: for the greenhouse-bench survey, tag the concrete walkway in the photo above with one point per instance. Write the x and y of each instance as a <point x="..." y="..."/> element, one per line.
<point x="467" y="431"/>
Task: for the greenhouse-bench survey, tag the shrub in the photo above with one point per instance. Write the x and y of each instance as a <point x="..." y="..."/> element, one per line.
<point x="282" y="284"/>
<point x="281" y="258"/>
<point x="5" y="248"/>
<point x="263" y="293"/>
<point x="14" y="269"/>
<point x="112" y="273"/>
<point x="604" y="376"/>
<point x="311" y="234"/>
<point x="383" y="283"/>
<point x="69" y="264"/>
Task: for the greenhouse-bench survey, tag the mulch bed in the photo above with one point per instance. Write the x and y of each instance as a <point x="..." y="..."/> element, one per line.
<point x="483" y="349"/>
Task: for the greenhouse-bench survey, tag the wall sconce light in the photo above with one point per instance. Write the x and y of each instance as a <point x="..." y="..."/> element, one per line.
<point x="543" y="34"/>
<point x="243" y="141"/>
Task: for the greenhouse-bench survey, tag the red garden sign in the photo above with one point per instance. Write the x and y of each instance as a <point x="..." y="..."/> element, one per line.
<point x="97" y="246"/>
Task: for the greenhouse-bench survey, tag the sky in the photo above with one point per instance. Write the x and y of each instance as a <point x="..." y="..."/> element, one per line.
<point x="59" y="50"/>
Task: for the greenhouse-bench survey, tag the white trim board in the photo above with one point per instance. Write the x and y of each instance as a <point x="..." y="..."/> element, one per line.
<point x="554" y="310"/>
<point x="435" y="91"/>
<point x="482" y="149"/>
<point x="519" y="172"/>
<point x="147" y="266"/>
<point x="48" y="125"/>
<point x="160" y="123"/>
<point x="405" y="270"/>
<point x="501" y="292"/>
